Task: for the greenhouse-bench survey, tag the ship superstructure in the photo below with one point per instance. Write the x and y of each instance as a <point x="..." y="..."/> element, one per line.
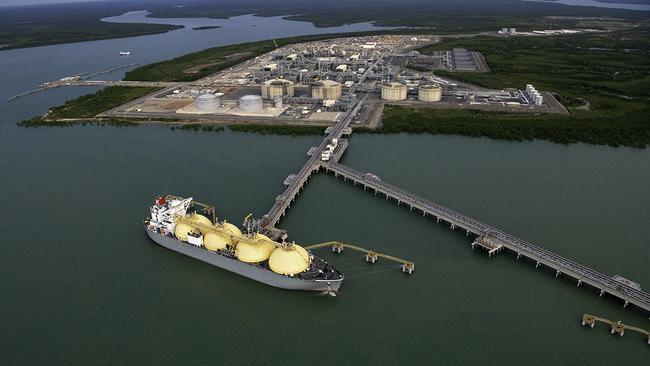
<point x="175" y="224"/>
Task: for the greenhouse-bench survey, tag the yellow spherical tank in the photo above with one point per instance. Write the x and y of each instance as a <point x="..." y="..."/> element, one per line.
<point x="289" y="260"/>
<point x="215" y="241"/>
<point x="200" y="219"/>
<point x="234" y="230"/>
<point x="182" y="229"/>
<point x="220" y="240"/>
<point x="255" y="250"/>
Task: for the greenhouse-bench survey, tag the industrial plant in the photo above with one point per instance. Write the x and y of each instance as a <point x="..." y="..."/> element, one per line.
<point x="317" y="82"/>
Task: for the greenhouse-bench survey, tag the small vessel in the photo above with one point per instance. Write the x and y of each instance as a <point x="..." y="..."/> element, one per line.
<point x="175" y="224"/>
<point x="125" y="53"/>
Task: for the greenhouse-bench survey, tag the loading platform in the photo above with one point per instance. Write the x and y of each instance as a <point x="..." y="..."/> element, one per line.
<point x="616" y="327"/>
<point x="370" y="255"/>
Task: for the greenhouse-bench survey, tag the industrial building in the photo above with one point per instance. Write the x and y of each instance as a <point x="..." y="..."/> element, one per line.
<point x="508" y="31"/>
<point x="318" y="82"/>
<point x="534" y="97"/>
<point x="464" y="60"/>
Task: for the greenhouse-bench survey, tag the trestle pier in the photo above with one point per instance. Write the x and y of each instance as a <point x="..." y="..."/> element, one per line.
<point x="493" y="239"/>
<point x="295" y="182"/>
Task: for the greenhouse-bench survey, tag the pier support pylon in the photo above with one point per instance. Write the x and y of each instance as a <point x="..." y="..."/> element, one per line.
<point x="408" y="267"/>
<point x="618" y="328"/>
<point x="371" y="257"/>
<point x="588" y="320"/>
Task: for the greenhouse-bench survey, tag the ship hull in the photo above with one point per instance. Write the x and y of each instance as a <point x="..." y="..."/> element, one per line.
<point x="251" y="271"/>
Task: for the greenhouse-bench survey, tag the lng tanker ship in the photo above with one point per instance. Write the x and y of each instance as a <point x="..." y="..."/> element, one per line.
<point x="175" y="225"/>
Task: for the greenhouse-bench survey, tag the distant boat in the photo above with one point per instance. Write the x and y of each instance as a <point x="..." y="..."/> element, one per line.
<point x="125" y="53"/>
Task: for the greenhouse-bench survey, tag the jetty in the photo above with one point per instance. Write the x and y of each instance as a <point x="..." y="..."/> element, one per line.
<point x="485" y="236"/>
<point x="616" y="327"/>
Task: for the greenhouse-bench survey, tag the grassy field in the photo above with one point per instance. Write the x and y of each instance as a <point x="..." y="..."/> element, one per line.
<point x="89" y="105"/>
<point x="584" y="127"/>
<point x="216" y="58"/>
<point x="611" y="71"/>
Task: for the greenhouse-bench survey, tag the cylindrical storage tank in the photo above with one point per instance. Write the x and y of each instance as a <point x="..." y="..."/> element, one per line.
<point x="275" y="90"/>
<point x="251" y="103"/>
<point x="430" y="93"/>
<point x="393" y="91"/>
<point x="332" y="89"/>
<point x="326" y="89"/>
<point x="277" y="87"/>
<point x="317" y="90"/>
<point x="255" y="250"/>
<point x="289" y="260"/>
<point x="208" y="103"/>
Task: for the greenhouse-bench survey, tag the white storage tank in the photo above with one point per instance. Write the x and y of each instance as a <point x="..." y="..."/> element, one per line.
<point x="207" y="103"/>
<point x="251" y="103"/>
<point x="394" y="91"/>
<point x="430" y="93"/>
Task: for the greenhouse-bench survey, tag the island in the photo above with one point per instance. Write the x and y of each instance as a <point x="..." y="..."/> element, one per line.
<point x="206" y="27"/>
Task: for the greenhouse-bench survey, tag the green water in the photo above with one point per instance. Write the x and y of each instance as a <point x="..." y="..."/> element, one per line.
<point x="82" y="284"/>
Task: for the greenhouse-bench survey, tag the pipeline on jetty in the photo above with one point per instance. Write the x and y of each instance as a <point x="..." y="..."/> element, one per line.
<point x="616" y="327"/>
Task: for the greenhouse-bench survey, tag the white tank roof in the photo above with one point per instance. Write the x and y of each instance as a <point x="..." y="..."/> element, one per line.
<point x="206" y="96"/>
